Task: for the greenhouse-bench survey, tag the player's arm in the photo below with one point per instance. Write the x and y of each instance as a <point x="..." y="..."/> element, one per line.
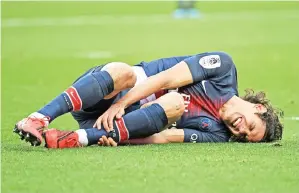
<point x="197" y="136"/>
<point x="177" y="76"/>
<point x="167" y="136"/>
<point x="192" y="69"/>
<point x="173" y="135"/>
<point x="180" y="136"/>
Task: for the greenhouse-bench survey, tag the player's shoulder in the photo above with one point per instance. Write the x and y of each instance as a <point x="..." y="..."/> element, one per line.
<point x="220" y="57"/>
<point x="211" y="60"/>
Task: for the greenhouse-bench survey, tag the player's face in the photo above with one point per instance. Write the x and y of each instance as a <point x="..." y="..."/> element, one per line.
<point x="246" y="124"/>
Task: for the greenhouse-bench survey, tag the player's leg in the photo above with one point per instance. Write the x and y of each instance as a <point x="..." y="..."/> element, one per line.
<point x="136" y="124"/>
<point x="102" y="82"/>
<point x="86" y="118"/>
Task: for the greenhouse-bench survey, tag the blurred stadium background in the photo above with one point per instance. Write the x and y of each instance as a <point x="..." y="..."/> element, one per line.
<point x="46" y="45"/>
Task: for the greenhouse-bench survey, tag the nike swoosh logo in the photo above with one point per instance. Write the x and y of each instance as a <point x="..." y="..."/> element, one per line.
<point x="72" y="93"/>
<point x="203" y="85"/>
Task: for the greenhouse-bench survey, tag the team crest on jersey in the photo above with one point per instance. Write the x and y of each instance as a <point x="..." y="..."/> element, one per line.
<point x="211" y="61"/>
<point x="205" y="124"/>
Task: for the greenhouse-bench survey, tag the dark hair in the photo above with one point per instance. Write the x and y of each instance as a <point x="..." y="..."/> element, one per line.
<point x="274" y="128"/>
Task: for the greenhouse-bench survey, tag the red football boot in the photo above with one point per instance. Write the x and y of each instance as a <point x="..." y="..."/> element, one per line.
<point x="61" y="139"/>
<point x="31" y="129"/>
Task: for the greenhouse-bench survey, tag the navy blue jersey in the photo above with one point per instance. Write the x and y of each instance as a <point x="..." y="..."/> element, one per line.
<point x="214" y="83"/>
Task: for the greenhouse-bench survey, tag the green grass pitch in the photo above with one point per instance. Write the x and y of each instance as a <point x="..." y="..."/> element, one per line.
<point x="46" y="45"/>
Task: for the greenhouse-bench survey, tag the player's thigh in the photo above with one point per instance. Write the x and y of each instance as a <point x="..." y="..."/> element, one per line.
<point x="122" y="74"/>
<point x="113" y="68"/>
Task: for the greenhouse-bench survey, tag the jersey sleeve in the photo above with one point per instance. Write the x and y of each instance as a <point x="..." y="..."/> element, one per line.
<point x="156" y="66"/>
<point x="196" y="136"/>
<point x="209" y="65"/>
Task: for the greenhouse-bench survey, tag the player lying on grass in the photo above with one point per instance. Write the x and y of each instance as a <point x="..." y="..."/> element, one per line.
<point x="207" y="108"/>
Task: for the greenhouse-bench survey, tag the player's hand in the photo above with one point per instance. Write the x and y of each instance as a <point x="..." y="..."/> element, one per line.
<point x="116" y="110"/>
<point x="104" y="141"/>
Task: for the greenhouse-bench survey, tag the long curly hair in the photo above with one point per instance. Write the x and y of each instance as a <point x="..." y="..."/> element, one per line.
<point x="274" y="128"/>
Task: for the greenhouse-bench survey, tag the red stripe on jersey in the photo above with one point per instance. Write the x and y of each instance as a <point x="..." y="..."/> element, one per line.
<point x="160" y="93"/>
<point x="74" y="97"/>
<point x="199" y="103"/>
<point x="123" y="131"/>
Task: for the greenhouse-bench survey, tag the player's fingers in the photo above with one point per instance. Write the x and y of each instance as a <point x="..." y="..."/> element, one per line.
<point x="117" y="116"/>
<point x="105" y="123"/>
<point x="99" y="123"/>
<point x="106" y="141"/>
<point x="110" y="123"/>
<point x="95" y="124"/>
<point x="112" y="142"/>
<point x="100" y="142"/>
<point x="120" y="114"/>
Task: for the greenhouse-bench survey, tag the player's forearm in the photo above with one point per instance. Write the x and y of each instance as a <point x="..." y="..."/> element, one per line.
<point x="174" y="77"/>
<point x="167" y="136"/>
<point x="151" y="85"/>
<point x="154" y="139"/>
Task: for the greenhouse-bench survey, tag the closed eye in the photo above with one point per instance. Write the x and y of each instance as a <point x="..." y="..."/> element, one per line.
<point x="252" y="126"/>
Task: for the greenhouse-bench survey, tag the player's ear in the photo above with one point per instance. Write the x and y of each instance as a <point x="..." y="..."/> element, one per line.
<point x="260" y="108"/>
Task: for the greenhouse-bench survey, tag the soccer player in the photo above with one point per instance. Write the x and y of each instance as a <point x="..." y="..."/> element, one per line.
<point x="207" y="82"/>
<point x="186" y="9"/>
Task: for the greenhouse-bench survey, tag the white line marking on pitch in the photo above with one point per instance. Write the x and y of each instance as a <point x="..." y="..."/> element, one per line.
<point x="144" y="19"/>
<point x="292" y="118"/>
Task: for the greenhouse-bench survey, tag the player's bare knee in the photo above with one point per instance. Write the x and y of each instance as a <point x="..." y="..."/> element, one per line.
<point x="173" y="105"/>
<point x="178" y="103"/>
<point x="122" y="74"/>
